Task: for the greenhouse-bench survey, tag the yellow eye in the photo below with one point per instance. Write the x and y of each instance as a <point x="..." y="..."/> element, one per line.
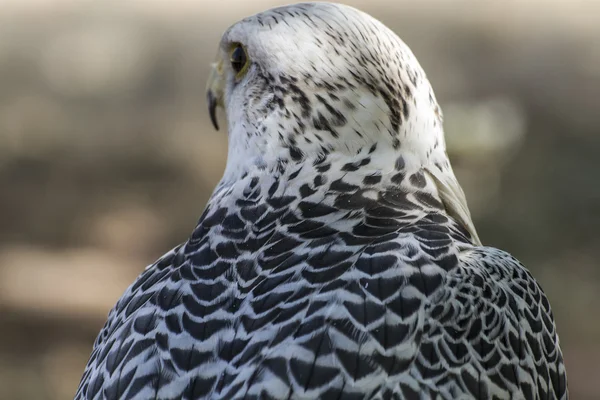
<point x="239" y="60"/>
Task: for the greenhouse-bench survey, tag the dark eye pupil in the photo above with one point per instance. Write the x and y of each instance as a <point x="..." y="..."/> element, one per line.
<point x="238" y="59"/>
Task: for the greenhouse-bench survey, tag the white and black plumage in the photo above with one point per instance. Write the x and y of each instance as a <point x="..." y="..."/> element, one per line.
<point x="336" y="258"/>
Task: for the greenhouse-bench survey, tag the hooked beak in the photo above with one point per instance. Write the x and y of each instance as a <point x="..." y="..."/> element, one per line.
<point x="214" y="91"/>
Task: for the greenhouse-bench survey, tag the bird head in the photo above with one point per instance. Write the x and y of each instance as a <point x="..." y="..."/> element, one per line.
<point x="318" y="77"/>
<point x="310" y="80"/>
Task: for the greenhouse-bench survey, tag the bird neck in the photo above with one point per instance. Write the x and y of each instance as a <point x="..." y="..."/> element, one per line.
<point x="323" y="178"/>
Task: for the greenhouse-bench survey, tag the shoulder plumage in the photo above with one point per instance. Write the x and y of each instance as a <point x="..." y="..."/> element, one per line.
<point x="126" y="324"/>
<point x="492" y="303"/>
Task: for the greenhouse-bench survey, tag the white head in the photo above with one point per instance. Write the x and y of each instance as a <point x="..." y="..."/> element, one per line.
<point x="312" y="79"/>
<point x="322" y="75"/>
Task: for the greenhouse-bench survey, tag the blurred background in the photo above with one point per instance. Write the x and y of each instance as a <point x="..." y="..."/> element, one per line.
<point x="107" y="156"/>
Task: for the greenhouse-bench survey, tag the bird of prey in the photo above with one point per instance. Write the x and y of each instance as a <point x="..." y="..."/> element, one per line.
<point x="336" y="258"/>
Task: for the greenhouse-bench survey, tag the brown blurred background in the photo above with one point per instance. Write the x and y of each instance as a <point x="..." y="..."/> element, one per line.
<point x="107" y="156"/>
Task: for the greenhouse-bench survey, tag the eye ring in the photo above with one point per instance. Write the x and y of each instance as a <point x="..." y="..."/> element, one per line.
<point x="238" y="57"/>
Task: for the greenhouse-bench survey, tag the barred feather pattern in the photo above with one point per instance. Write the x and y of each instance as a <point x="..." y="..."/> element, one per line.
<point x="333" y="292"/>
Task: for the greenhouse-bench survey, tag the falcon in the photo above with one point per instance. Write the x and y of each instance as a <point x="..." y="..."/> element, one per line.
<point x="336" y="258"/>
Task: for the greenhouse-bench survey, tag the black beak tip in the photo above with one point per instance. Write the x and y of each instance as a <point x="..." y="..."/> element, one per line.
<point x="212" y="108"/>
